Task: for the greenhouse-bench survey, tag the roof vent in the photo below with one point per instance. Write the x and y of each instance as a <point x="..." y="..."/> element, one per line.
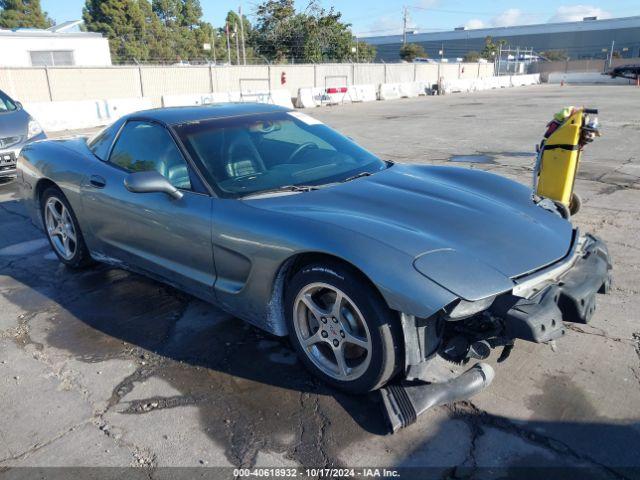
<point x="589" y="19"/>
<point x="459" y="28"/>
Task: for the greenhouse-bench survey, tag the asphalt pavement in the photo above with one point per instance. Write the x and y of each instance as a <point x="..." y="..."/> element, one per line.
<point x="107" y="368"/>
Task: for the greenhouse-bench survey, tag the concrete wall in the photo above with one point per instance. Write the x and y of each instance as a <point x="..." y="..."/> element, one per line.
<point x="71" y="84"/>
<point x="576" y="66"/>
<point x="15" y="48"/>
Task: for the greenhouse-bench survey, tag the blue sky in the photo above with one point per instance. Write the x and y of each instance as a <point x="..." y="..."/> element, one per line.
<point x="384" y="17"/>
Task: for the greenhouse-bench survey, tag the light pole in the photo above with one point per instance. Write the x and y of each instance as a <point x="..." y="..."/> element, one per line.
<point x="405" y="15"/>
<point x="244" y="52"/>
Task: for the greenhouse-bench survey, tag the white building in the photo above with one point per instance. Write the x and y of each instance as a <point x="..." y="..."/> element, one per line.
<point x="61" y="45"/>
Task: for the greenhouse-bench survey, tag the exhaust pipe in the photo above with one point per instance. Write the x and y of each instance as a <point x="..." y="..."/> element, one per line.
<point x="403" y="403"/>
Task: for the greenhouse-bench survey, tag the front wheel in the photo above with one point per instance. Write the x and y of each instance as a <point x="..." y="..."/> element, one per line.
<point x="341" y="328"/>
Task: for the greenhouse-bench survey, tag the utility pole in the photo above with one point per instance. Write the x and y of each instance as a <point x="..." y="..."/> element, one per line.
<point x="611" y="53"/>
<point x="235" y="34"/>
<point x="226" y="26"/>
<point x="213" y="46"/>
<point x="244" y="52"/>
<point x="405" y="19"/>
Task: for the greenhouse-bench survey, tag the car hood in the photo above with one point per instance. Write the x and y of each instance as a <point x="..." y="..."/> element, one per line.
<point x="14" y="124"/>
<point x="485" y="218"/>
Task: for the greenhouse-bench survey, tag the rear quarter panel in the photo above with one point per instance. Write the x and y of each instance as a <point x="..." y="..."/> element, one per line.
<point x="63" y="162"/>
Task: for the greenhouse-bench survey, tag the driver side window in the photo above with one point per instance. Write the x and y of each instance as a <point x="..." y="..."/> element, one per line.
<point x="144" y="147"/>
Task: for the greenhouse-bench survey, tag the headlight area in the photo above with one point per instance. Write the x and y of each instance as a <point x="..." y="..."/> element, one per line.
<point x="461" y="309"/>
<point x="470" y="330"/>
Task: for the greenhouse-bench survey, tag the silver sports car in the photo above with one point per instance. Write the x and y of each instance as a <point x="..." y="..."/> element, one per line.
<point x="375" y="270"/>
<point x="17" y="128"/>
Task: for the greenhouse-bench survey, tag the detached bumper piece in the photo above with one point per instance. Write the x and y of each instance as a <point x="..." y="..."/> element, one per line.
<point x="535" y="320"/>
<point x="404" y="403"/>
<point x="578" y="288"/>
<point x="571" y="299"/>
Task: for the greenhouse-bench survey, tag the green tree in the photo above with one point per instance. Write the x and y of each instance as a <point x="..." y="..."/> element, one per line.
<point x="410" y="51"/>
<point x="124" y="24"/>
<point x="472" y="56"/>
<point x="168" y="11"/>
<point x="365" y="52"/>
<point x="327" y="37"/>
<point x="23" y="14"/>
<point x="275" y="28"/>
<point x="313" y="35"/>
<point x="554" y="55"/>
<point x="190" y="14"/>
<point x="235" y="38"/>
<point x="156" y="37"/>
<point x="185" y="32"/>
<point x="491" y="48"/>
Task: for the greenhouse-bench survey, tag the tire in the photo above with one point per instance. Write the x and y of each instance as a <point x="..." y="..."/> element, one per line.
<point x="563" y="210"/>
<point x="365" y="332"/>
<point x="66" y="241"/>
<point x="575" y="203"/>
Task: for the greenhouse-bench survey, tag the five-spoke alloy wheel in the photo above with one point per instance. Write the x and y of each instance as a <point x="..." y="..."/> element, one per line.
<point x="62" y="229"/>
<point x="341" y="327"/>
<point x="333" y="331"/>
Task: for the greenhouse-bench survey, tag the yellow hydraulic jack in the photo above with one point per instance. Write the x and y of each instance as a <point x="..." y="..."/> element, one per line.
<point x="558" y="156"/>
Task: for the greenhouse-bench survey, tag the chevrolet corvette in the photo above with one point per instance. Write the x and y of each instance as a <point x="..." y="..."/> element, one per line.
<point x="375" y="270"/>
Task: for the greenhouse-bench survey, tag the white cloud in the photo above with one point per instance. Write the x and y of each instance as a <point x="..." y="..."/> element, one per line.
<point x="508" y="18"/>
<point x="575" y="13"/>
<point x="474" y="23"/>
<point x="384" y="25"/>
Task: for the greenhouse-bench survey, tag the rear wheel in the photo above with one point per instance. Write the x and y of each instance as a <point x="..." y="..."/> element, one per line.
<point x="63" y="232"/>
<point x="341" y="328"/>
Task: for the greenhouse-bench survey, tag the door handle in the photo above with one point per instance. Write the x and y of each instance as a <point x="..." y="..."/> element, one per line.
<point x="97" y="181"/>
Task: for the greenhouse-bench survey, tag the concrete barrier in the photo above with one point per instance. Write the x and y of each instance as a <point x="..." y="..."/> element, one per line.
<point x="363" y="93"/>
<point x="592" y="78"/>
<point x="310" y="97"/>
<point x="276" y="97"/>
<point x="459" y="85"/>
<point x="462" y="85"/>
<point x="525" y="80"/>
<point x="411" y="89"/>
<point x="119" y="107"/>
<point x="57" y="116"/>
<point x="389" y="91"/>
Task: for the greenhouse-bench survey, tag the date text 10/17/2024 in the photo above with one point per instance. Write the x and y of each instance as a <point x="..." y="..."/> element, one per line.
<point x="316" y="472"/>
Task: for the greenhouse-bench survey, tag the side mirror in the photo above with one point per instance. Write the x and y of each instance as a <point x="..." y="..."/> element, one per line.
<point x="151" y="182"/>
<point x="19" y="105"/>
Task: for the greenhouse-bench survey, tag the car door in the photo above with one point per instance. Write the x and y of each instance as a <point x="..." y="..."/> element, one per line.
<point x="155" y="232"/>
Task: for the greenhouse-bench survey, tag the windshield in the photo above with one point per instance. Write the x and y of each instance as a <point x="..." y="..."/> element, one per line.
<point x="6" y="104"/>
<point x="252" y="154"/>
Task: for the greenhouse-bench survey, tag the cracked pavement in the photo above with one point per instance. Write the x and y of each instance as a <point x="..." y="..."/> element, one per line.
<point x="104" y="367"/>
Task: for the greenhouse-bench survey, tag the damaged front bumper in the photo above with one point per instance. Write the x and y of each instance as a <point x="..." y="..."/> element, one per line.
<point x="537" y="307"/>
<point x="535" y="310"/>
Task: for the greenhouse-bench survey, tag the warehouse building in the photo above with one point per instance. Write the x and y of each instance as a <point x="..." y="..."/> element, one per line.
<point x="590" y="38"/>
<point x="61" y="45"/>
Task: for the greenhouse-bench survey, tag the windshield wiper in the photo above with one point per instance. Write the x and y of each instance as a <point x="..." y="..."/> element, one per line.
<point x="359" y="175"/>
<point x="284" y="188"/>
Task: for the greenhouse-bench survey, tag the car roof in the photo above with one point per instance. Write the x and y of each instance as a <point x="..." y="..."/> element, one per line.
<point x="177" y="115"/>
